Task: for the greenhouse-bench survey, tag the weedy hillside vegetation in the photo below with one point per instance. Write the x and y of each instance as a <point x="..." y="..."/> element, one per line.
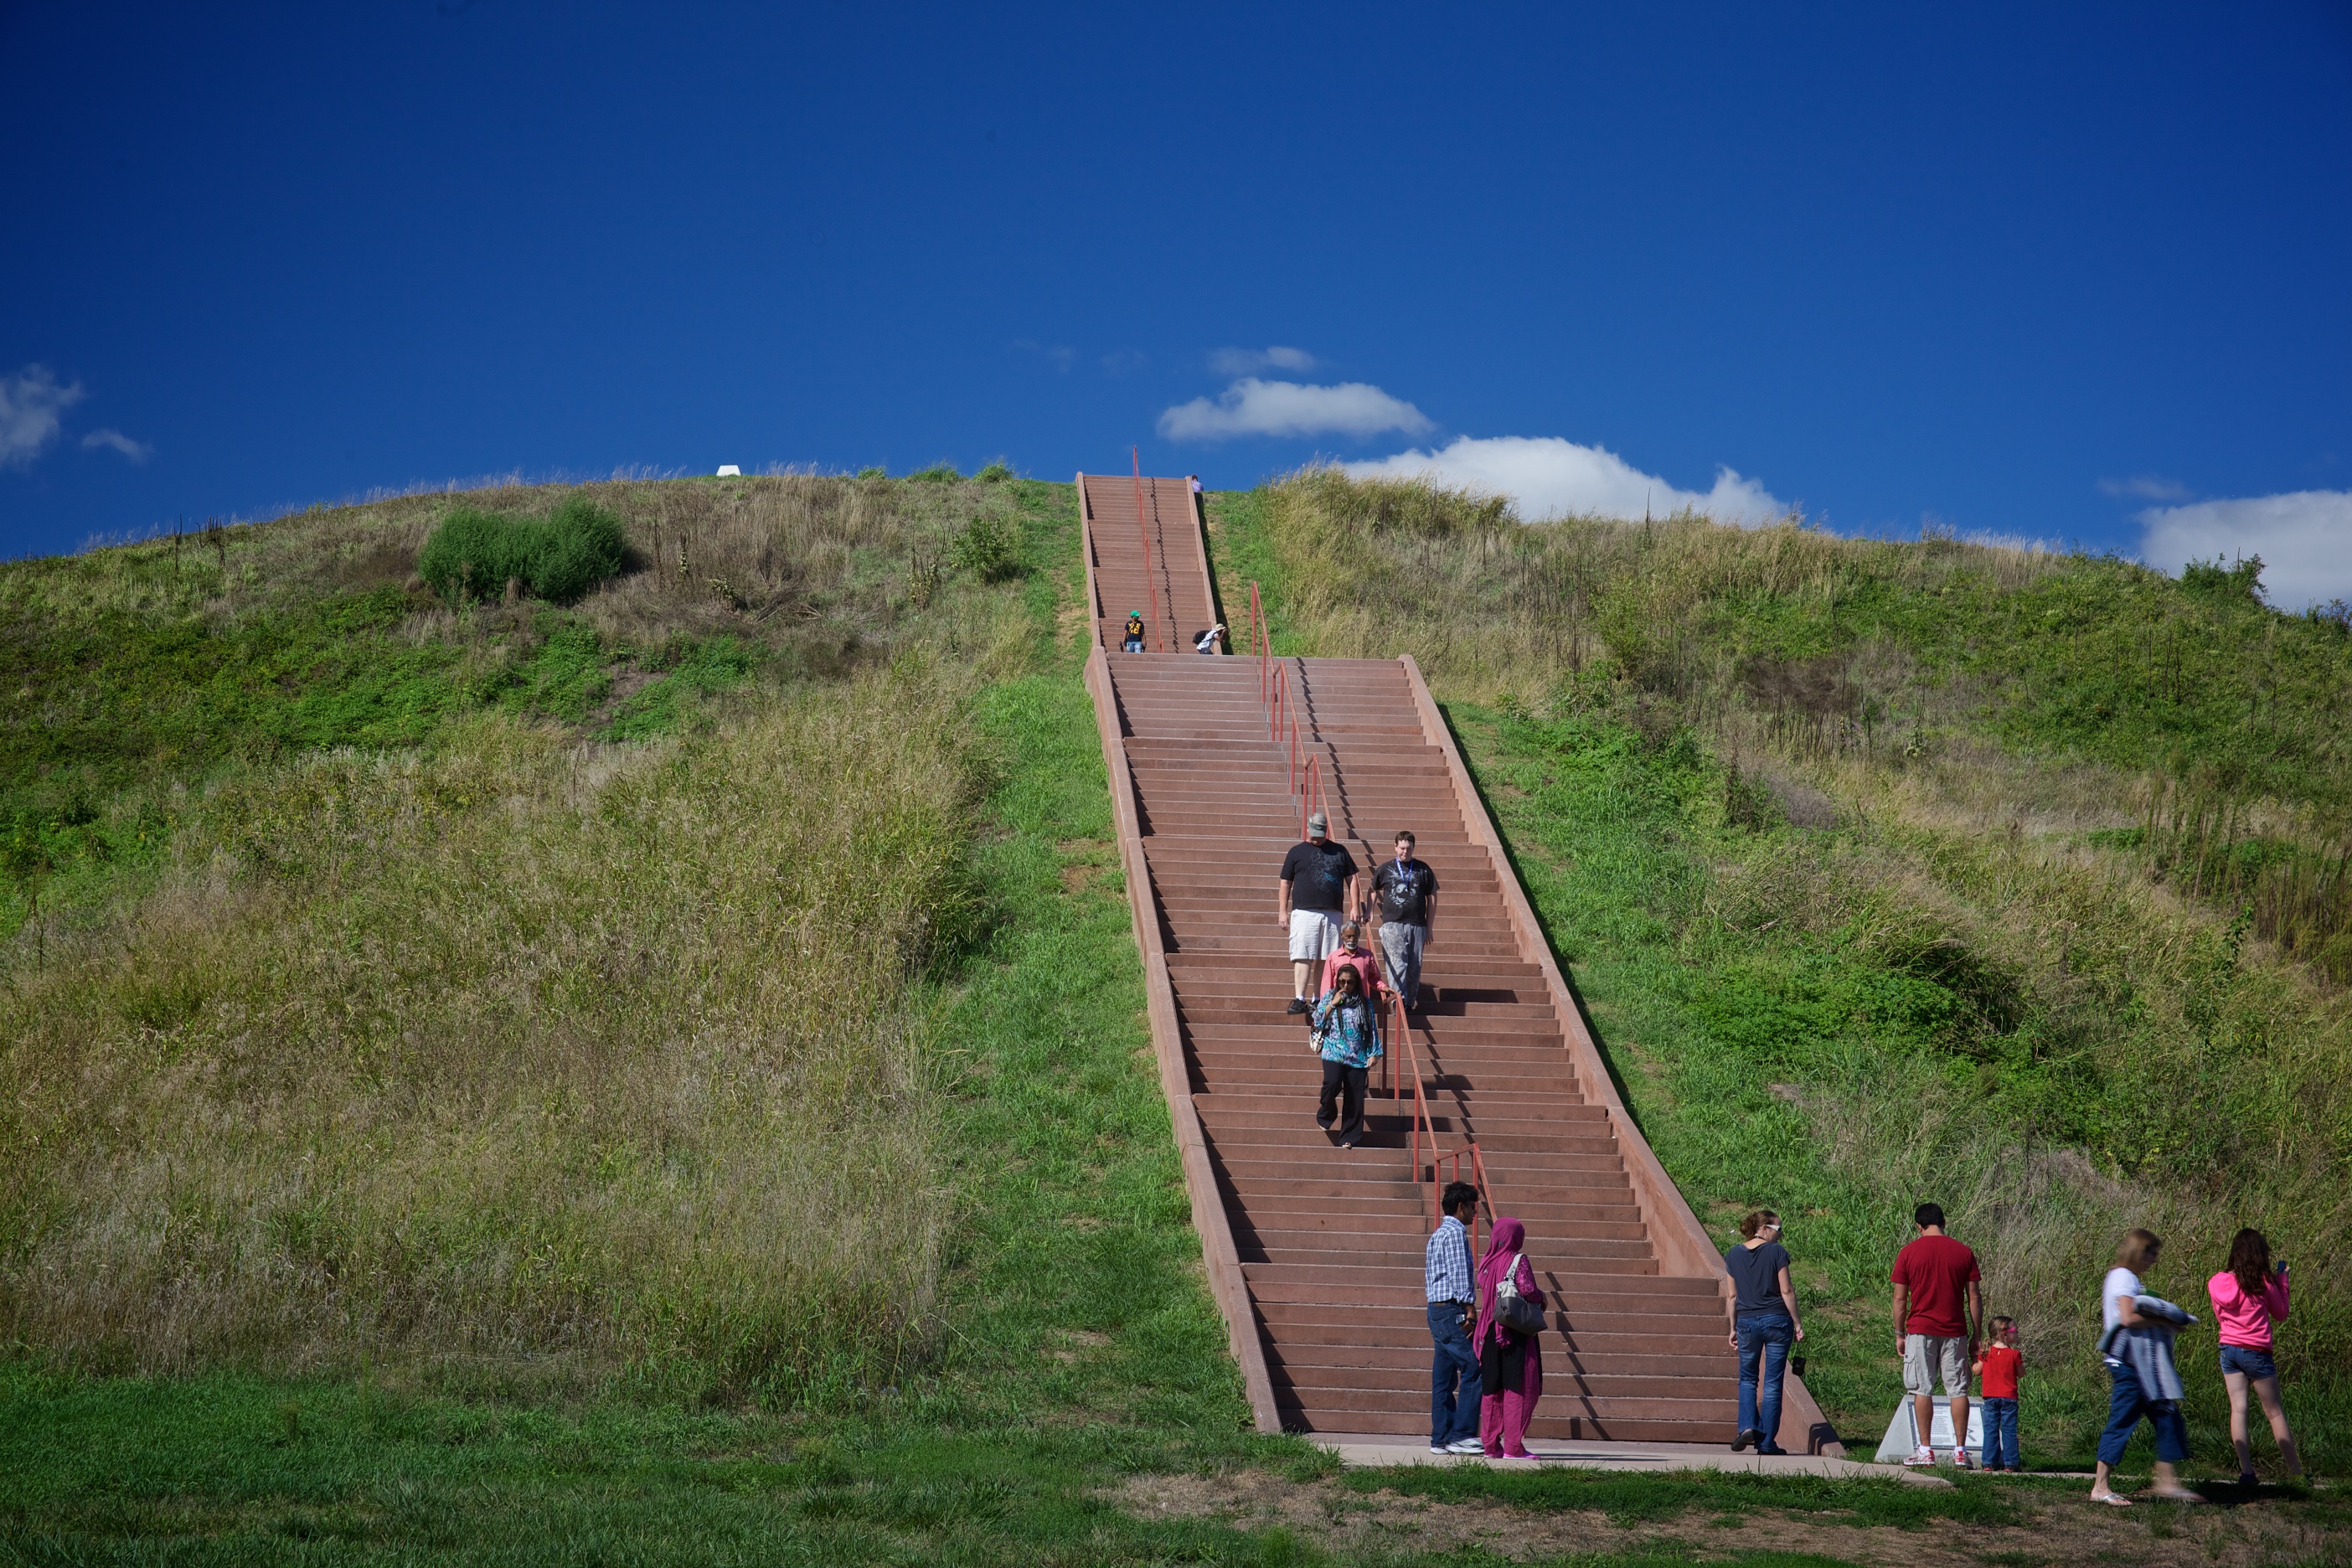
<point x="498" y="989"/>
<point x="128" y="673"/>
<point x="1904" y="870"/>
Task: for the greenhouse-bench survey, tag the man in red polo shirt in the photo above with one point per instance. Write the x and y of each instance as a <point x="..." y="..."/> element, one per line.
<point x="1933" y="1275"/>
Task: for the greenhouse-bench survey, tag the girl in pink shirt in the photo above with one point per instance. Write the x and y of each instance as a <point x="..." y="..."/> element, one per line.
<point x="2247" y="1297"/>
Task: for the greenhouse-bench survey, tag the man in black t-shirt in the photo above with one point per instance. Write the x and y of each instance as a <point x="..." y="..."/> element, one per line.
<point x="1318" y="882"/>
<point x="1407" y="890"/>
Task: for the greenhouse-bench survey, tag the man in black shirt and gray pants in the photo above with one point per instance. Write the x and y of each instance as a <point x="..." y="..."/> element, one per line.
<point x="1318" y="882"/>
<point x="1408" y="893"/>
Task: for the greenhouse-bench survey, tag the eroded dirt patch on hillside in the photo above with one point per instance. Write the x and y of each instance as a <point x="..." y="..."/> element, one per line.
<point x="2052" y="1529"/>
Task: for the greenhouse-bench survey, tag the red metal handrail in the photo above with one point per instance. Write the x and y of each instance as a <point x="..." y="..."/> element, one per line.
<point x="1152" y="595"/>
<point x="1438" y="1158"/>
<point x="1282" y="723"/>
<point x="1265" y="649"/>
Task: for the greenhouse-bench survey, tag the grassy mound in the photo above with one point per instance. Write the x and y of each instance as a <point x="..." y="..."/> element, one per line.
<point x="490" y="986"/>
<point x="1879" y="867"/>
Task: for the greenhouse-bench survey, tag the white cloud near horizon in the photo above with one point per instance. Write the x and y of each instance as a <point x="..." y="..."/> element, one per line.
<point x="1249" y="362"/>
<point x="31" y="400"/>
<point x="1254" y="407"/>
<point x="115" y="440"/>
<point x="2305" y="538"/>
<point x="2146" y="487"/>
<point x="1548" y="478"/>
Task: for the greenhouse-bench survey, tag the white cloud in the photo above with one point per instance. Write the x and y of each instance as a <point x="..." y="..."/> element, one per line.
<point x="137" y="452"/>
<point x="2146" y="487"/>
<point x="1249" y="362"/>
<point x="2304" y="539"/>
<point x="1254" y="407"/>
<point x="1551" y="478"/>
<point x="30" y="402"/>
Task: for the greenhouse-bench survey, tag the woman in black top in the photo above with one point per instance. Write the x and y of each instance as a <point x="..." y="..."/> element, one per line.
<point x="1763" y="1326"/>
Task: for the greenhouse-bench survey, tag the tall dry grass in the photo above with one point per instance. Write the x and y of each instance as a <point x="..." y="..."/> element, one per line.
<point x="825" y="569"/>
<point x="1495" y="607"/>
<point x="524" y="1053"/>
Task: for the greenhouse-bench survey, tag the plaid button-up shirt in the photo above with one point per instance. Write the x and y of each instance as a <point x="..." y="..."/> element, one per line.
<point x="1448" y="1260"/>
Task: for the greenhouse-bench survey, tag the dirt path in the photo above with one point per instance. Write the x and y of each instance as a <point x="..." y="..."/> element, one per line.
<point x="2056" y="1528"/>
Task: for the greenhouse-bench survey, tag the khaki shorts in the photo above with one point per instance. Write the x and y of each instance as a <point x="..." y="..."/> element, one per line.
<point x="1924" y="1355"/>
<point x="1314" y="935"/>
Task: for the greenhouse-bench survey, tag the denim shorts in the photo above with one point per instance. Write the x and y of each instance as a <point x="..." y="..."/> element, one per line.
<point x="2255" y="1363"/>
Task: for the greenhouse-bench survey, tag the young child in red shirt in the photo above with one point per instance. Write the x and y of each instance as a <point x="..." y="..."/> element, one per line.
<point x="1999" y="1366"/>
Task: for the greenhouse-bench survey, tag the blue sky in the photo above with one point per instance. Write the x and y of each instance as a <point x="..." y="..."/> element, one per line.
<point x="2072" y="273"/>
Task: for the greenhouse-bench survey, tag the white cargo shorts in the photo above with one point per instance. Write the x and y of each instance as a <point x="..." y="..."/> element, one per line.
<point x="1314" y="935"/>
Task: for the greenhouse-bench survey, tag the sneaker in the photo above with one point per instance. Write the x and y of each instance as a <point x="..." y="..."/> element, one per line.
<point x="1465" y="1446"/>
<point x="1960" y="1457"/>
<point x="1921" y="1456"/>
<point x="1297" y="1004"/>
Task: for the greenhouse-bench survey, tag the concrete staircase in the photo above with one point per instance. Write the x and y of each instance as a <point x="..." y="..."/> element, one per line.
<point x="1322" y="1281"/>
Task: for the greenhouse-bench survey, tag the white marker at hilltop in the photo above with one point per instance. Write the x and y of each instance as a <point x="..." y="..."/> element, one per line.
<point x="730" y="471"/>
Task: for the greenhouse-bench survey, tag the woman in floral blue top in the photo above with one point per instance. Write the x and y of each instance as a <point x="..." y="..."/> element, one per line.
<point x="1348" y="1038"/>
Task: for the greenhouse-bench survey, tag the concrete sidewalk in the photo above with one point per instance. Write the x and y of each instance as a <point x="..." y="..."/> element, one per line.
<point x="1375" y="1449"/>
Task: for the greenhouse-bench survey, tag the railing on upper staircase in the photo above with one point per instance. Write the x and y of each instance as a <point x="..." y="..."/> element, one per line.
<point x="1152" y="586"/>
<point x="1282" y="720"/>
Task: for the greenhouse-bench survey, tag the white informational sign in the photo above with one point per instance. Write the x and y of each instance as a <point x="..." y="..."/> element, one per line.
<point x="1903" y="1432"/>
<point x="730" y="470"/>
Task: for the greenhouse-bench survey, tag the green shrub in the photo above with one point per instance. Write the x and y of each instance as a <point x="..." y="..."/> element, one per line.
<point x="996" y="473"/>
<point x="474" y="554"/>
<point x="988" y="548"/>
<point x="2238" y="581"/>
<point x="940" y="473"/>
<point x="873" y="472"/>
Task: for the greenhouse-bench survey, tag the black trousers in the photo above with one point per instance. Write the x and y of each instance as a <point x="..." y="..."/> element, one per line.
<point x="1338" y="1077"/>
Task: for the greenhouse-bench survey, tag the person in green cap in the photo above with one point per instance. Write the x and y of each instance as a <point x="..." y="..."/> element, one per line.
<point x="1134" y="632"/>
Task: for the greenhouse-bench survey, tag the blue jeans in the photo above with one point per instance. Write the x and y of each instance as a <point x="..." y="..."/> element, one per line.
<point x="2000" y="1433"/>
<point x="2127" y="1402"/>
<point x="1763" y="1337"/>
<point x="1452" y="1416"/>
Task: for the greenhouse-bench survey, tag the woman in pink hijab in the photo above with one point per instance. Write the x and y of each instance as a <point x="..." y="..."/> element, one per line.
<point x="1510" y="1366"/>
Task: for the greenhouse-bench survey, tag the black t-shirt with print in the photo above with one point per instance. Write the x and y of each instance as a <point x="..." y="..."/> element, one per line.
<point x="1319" y="875"/>
<point x="1404" y="894"/>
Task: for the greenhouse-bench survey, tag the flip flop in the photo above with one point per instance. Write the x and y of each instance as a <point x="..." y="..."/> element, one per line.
<point x="2112" y="1499"/>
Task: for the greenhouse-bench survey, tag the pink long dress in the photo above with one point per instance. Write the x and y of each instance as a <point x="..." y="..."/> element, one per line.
<point x="1503" y="1417"/>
